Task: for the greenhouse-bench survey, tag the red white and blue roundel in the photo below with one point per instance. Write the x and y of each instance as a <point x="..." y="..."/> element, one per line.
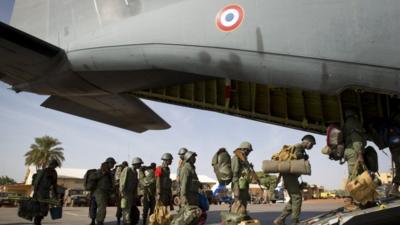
<point x="229" y="18"/>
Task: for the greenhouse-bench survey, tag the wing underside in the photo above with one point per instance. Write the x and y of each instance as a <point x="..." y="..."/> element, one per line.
<point x="28" y="62"/>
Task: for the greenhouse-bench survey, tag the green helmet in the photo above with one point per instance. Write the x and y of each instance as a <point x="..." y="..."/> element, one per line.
<point x="182" y="151"/>
<point x="54" y="162"/>
<point x="246" y="145"/>
<point x="188" y="155"/>
<point x="111" y="160"/>
<point x="309" y="138"/>
<point x="137" y="160"/>
<point x="167" y="156"/>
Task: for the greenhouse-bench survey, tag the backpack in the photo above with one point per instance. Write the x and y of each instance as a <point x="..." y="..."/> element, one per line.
<point x="89" y="183"/>
<point x="286" y="153"/>
<point x="334" y="140"/>
<point x="221" y="163"/>
<point x="334" y="136"/>
<point x="149" y="177"/>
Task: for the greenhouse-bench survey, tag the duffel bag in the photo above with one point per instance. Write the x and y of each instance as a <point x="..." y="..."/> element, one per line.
<point x="300" y="167"/>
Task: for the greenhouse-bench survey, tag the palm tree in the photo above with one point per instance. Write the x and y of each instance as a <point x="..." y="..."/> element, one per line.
<point x="44" y="150"/>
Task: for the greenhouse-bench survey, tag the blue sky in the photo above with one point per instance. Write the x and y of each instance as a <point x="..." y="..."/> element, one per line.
<point x="88" y="143"/>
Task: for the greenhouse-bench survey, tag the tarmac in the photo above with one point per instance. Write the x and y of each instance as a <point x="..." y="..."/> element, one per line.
<point x="263" y="212"/>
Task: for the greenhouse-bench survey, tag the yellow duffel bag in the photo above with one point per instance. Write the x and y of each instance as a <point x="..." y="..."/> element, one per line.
<point x="362" y="188"/>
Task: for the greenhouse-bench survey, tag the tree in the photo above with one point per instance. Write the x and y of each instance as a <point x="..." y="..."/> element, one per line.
<point x="6" y="180"/>
<point x="42" y="151"/>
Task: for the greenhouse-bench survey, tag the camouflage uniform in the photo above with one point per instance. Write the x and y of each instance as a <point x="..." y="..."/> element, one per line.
<point x="190" y="185"/>
<point x="242" y="196"/>
<point x="163" y="185"/>
<point x="355" y="141"/>
<point x="44" y="180"/>
<point x="293" y="188"/>
<point x="395" y="151"/>
<point x="103" y="190"/>
<point x="148" y="189"/>
<point x="128" y="185"/>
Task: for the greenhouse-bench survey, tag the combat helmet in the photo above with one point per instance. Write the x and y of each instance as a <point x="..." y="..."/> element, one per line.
<point x="246" y="146"/>
<point x="182" y="151"/>
<point x="137" y="160"/>
<point x="167" y="156"/>
<point x="111" y="160"/>
<point x="188" y="155"/>
<point x="54" y="162"/>
<point x="309" y="138"/>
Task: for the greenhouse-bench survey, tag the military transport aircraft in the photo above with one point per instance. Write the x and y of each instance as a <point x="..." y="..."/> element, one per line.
<point x="298" y="64"/>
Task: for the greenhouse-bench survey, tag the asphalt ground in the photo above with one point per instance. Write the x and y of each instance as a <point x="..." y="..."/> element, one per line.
<point x="264" y="213"/>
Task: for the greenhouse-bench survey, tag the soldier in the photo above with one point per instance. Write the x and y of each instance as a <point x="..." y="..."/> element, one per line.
<point x="181" y="153"/>
<point x="241" y="178"/>
<point x="128" y="185"/>
<point x="355" y="140"/>
<point x="394" y="147"/>
<point x="117" y="176"/>
<point x="44" y="180"/>
<point x="104" y="188"/>
<point x="148" y="185"/>
<point x="292" y="184"/>
<point x="163" y="181"/>
<point x="190" y="183"/>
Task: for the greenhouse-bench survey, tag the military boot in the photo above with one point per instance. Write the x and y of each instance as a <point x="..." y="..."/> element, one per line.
<point x="37" y="221"/>
<point x="394" y="191"/>
<point x="279" y="221"/>
<point x="93" y="222"/>
<point x="118" y="221"/>
<point x="100" y="223"/>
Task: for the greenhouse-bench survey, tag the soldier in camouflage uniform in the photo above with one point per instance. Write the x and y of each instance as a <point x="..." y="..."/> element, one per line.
<point x="44" y="180"/>
<point x="163" y="181"/>
<point x="117" y="175"/>
<point x="181" y="162"/>
<point x="241" y="178"/>
<point x="128" y="185"/>
<point x="190" y="183"/>
<point x="292" y="184"/>
<point x="395" y="151"/>
<point x="148" y="185"/>
<point x="104" y="188"/>
<point x="355" y="140"/>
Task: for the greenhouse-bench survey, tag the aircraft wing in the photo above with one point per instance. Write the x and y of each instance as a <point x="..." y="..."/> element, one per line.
<point x="28" y="62"/>
<point x="123" y="110"/>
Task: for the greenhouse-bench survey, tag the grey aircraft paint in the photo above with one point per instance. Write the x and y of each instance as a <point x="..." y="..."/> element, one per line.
<point x="94" y="48"/>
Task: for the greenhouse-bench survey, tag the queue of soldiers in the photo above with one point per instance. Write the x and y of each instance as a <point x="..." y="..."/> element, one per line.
<point x="155" y="183"/>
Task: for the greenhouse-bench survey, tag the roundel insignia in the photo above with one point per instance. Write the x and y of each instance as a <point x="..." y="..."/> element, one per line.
<point x="229" y="18"/>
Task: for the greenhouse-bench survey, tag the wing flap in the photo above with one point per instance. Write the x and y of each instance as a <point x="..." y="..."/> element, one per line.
<point x="123" y="111"/>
